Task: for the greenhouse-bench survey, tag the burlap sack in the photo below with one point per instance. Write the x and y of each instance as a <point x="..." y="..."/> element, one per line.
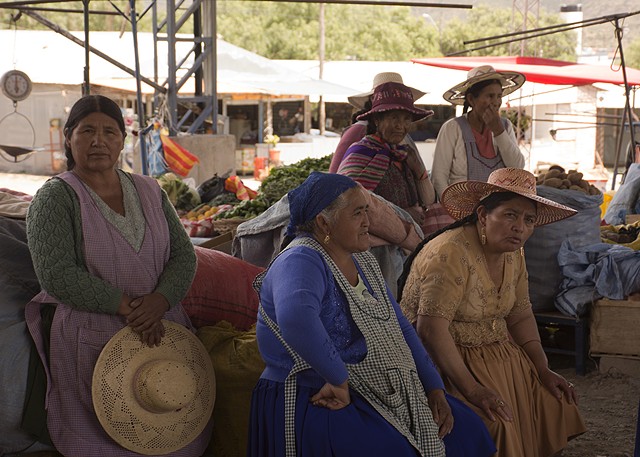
<point x="238" y="365"/>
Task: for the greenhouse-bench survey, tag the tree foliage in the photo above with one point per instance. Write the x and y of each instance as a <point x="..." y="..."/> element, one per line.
<point x="632" y="54"/>
<point x="488" y="22"/>
<point x="282" y="30"/>
<point x="352" y="32"/>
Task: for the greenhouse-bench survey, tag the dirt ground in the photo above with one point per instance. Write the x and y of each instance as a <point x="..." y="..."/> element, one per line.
<point x="609" y="405"/>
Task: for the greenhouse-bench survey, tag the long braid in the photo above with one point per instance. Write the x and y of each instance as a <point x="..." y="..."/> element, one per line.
<point x="490" y="202"/>
<point x="409" y="261"/>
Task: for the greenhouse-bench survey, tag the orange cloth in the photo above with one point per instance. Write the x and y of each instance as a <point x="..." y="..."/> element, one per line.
<point x="234" y="184"/>
<point x="178" y="158"/>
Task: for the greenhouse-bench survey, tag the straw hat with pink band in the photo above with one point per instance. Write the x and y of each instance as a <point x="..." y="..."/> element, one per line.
<point x="154" y="400"/>
<point x="510" y="81"/>
<point x="461" y="199"/>
<point x="359" y="100"/>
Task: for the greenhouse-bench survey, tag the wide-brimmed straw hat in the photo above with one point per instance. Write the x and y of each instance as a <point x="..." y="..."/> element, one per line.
<point x="154" y="400"/>
<point x="461" y="199"/>
<point x="510" y="81"/>
<point x="394" y="96"/>
<point x="386" y="77"/>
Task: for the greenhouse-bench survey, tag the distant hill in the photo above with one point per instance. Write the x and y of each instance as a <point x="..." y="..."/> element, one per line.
<point x="598" y="36"/>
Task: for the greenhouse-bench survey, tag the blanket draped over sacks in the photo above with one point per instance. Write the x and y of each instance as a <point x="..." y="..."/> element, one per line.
<point x="222" y="291"/>
<point x="626" y="200"/>
<point x="596" y="271"/>
<point x="392" y="231"/>
<point x="541" y="250"/>
<point x="18" y="284"/>
<point x="238" y="366"/>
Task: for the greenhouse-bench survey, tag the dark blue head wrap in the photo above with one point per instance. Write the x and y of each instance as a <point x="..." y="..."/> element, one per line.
<point x="317" y="192"/>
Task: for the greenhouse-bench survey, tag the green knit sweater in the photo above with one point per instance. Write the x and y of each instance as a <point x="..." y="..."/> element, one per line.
<point x="54" y="232"/>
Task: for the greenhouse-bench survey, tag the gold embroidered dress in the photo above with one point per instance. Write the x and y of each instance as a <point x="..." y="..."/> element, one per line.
<point x="450" y="279"/>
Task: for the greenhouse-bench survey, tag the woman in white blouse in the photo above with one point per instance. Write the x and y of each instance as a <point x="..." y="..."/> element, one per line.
<point x="471" y="146"/>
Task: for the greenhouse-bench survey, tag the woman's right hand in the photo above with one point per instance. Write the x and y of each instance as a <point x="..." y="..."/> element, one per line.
<point x="332" y="397"/>
<point x="490" y="402"/>
<point x="153" y="335"/>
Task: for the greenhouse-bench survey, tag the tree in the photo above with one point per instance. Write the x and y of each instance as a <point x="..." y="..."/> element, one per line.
<point x="632" y="54"/>
<point x="483" y="22"/>
<point x="353" y="32"/>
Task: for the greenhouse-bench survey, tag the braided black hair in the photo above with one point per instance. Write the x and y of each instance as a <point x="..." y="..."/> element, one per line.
<point x="491" y="202"/>
<point x="406" y="268"/>
<point x="365" y="109"/>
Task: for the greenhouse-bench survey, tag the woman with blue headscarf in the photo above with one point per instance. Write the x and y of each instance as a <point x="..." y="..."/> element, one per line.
<point x="346" y="374"/>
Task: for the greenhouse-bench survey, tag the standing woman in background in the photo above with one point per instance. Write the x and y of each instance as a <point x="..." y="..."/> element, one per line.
<point x="471" y="146"/>
<point x="358" y="128"/>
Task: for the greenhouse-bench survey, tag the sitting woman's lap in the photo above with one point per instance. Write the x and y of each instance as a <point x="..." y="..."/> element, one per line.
<point x="357" y="429"/>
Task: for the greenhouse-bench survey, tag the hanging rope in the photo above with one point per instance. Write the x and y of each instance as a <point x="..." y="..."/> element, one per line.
<point x="618" y="33"/>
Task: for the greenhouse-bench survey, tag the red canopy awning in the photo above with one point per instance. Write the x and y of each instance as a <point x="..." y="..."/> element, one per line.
<point x="539" y="70"/>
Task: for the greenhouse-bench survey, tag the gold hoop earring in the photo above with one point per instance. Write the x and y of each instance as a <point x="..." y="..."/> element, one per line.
<point x="522" y="251"/>
<point x="483" y="236"/>
<point x="327" y="239"/>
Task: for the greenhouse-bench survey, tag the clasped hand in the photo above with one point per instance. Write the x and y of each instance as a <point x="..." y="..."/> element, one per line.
<point x="417" y="213"/>
<point x="144" y="315"/>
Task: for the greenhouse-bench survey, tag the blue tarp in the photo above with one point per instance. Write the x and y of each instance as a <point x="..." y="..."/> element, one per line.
<point x="625" y="200"/>
<point x="596" y="271"/>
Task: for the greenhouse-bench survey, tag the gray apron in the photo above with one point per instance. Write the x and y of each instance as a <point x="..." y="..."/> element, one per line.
<point x="478" y="168"/>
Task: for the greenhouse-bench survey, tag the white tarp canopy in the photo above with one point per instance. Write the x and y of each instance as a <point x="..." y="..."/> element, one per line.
<point x="48" y="57"/>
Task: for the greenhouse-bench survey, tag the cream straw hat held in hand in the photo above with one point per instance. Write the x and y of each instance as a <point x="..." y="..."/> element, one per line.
<point x="154" y="400"/>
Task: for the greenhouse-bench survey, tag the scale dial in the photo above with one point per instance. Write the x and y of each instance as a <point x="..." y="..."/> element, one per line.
<point x="16" y="85"/>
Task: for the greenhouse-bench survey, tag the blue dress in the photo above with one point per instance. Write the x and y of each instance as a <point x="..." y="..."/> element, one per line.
<point x="300" y="294"/>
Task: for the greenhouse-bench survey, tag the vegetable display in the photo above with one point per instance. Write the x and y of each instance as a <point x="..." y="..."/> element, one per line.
<point x="280" y="181"/>
<point x="199" y="219"/>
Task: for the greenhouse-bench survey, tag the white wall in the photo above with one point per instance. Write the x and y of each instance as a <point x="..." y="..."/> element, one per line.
<point x="45" y="103"/>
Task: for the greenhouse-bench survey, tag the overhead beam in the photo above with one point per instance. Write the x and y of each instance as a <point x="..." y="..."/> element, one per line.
<point x="56" y="28"/>
<point x="59" y="10"/>
<point x="374" y="2"/>
<point x="23" y="3"/>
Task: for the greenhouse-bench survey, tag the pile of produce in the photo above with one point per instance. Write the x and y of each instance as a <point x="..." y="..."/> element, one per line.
<point x="557" y="178"/>
<point x="283" y="179"/>
<point x="280" y="181"/>
<point x="622" y="234"/>
<point x="200" y="209"/>
<point x="181" y="196"/>
<point x="205" y="211"/>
